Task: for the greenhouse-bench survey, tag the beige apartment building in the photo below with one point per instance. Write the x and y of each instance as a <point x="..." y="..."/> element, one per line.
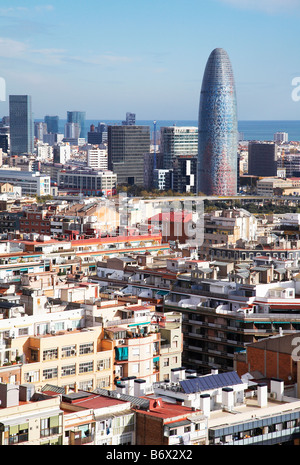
<point x="66" y="358"/>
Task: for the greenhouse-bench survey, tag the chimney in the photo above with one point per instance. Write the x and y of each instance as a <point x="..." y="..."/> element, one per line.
<point x="227" y="397"/>
<point x="9" y="395"/>
<point x="262" y="394"/>
<point x="177" y="374"/>
<point x="121" y="388"/>
<point x="139" y="387"/>
<point x="131" y="385"/>
<point x="277" y="388"/>
<point x="66" y="389"/>
<point x="125" y="382"/>
<point x="214" y="371"/>
<point x="205" y="404"/>
<point x="191" y="373"/>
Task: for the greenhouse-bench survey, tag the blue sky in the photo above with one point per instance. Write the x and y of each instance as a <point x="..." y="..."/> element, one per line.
<point x="148" y="56"/>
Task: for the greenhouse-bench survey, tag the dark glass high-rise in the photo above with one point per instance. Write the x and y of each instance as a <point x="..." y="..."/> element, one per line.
<point x="217" y="132"/>
<point x="21" y="124"/>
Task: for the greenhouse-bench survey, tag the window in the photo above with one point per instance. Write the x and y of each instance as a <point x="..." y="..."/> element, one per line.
<point x="135" y="351"/>
<point x="103" y="364"/>
<point x="23" y="331"/>
<point x="135" y="368"/>
<point x="50" y="373"/>
<point x="68" y="351"/>
<point x="103" y="382"/>
<point x="31" y="376"/>
<point x="50" y="354"/>
<point x="187" y="429"/>
<point x="86" y="348"/>
<point x="173" y="432"/>
<point x="34" y="355"/>
<point x="68" y="370"/>
<point x="16" y="434"/>
<point x="166" y="362"/>
<point x="86" y="367"/>
<point x="50" y="426"/>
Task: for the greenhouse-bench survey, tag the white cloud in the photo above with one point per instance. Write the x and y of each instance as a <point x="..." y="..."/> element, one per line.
<point x="12" y="48"/>
<point x="267" y="6"/>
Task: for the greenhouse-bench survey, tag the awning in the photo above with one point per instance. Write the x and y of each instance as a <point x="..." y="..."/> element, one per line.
<point x="156" y="359"/>
<point x="163" y="292"/>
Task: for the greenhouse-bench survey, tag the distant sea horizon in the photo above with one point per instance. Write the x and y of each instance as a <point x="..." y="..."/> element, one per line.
<point x="262" y="130"/>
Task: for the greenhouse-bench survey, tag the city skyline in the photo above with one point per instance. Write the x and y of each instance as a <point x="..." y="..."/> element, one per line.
<point x="148" y="59"/>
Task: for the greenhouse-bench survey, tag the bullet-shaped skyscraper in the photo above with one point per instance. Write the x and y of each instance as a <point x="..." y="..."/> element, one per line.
<point x="217" y="132"/>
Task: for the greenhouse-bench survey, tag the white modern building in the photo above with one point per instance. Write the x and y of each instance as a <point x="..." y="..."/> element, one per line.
<point x="281" y="137"/>
<point x="97" y="159"/>
<point x="32" y="183"/>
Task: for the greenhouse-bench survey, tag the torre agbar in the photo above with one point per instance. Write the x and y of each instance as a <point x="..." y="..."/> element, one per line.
<point x="218" y="133"/>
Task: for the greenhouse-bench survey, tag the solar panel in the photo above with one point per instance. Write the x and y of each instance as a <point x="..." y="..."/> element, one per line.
<point x="205" y="383"/>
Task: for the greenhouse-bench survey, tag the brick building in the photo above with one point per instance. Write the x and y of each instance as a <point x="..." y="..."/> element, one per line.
<point x="35" y="222"/>
<point x="273" y="357"/>
<point x="167" y="424"/>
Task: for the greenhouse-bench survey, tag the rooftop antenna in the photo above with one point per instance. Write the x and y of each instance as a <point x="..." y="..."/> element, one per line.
<point x="154" y="143"/>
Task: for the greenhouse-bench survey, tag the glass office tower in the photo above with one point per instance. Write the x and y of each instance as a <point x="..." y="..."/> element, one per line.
<point x="127" y="146"/>
<point x="21" y="124"/>
<point x="52" y="124"/>
<point x="218" y="133"/>
<point x="79" y="118"/>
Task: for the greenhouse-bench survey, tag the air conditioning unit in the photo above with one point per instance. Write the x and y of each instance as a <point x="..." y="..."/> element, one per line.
<point x="121" y="341"/>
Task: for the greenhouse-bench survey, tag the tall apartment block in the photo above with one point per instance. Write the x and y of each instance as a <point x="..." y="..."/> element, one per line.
<point x="262" y="159"/>
<point x="177" y="141"/>
<point x="127" y="146"/>
<point x="21" y="124"/>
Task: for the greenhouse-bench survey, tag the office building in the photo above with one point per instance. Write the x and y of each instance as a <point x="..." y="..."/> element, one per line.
<point x="21" y="124"/>
<point x="130" y="119"/>
<point x="77" y="117"/>
<point x="162" y="179"/>
<point x="32" y="183"/>
<point x="87" y="181"/>
<point x="52" y="124"/>
<point x="262" y="159"/>
<point x="127" y="146"/>
<point x="94" y="136"/>
<point x="218" y="134"/>
<point x="176" y="141"/>
<point x="102" y="129"/>
<point x="52" y="139"/>
<point x="149" y="160"/>
<point x="4" y="142"/>
<point x="40" y="129"/>
<point x="185" y="174"/>
<point x="72" y="130"/>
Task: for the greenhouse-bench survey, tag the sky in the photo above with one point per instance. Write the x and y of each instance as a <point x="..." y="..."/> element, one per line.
<point x="148" y="56"/>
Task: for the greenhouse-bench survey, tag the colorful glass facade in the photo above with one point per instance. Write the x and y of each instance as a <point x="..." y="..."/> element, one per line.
<point x="218" y="133"/>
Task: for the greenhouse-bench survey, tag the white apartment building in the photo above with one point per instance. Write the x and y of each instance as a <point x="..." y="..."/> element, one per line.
<point x="44" y="152"/>
<point x="281" y="137"/>
<point x="97" y="159"/>
<point x="61" y="153"/>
